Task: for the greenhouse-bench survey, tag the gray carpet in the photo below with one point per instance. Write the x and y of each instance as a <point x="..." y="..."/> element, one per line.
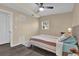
<point x="6" y="50"/>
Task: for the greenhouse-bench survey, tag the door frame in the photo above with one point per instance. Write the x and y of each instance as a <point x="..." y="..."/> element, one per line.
<point x="11" y="24"/>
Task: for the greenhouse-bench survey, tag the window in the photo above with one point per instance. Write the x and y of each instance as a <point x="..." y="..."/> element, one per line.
<point x="45" y="25"/>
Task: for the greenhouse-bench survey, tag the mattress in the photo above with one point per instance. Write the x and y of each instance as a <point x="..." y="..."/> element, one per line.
<point x="48" y="38"/>
<point x="43" y="41"/>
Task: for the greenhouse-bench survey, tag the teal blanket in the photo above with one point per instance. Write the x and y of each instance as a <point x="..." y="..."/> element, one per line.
<point x="69" y="43"/>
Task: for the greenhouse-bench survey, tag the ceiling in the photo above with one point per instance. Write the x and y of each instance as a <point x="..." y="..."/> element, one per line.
<point x="31" y="8"/>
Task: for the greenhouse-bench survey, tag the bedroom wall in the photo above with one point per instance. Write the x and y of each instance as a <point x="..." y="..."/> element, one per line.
<point x="76" y="15"/>
<point x="23" y="26"/>
<point x="57" y="23"/>
<point x="75" y="23"/>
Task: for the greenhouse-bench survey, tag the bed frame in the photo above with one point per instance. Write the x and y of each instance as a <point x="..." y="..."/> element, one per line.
<point x="49" y="48"/>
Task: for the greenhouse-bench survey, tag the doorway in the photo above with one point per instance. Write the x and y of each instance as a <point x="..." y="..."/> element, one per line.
<point x="5" y="27"/>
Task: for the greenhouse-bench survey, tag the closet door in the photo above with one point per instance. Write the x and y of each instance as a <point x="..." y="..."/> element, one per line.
<point x="4" y="28"/>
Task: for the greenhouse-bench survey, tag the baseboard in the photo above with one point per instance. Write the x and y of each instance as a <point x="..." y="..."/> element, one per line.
<point x="15" y="45"/>
<point x="4" y="43"/>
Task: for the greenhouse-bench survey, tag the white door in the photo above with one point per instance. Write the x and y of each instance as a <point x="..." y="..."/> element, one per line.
<point x="4" y="28"/>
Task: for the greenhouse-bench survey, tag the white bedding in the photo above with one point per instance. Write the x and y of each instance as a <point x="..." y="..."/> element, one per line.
<point x="49" y="38"/>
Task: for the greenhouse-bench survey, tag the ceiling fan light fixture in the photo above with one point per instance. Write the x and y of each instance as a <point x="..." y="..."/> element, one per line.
<point x="41" y="9"/>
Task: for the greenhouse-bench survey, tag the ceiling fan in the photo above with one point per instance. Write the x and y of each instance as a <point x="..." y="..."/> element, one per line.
<point x="42" y="7"/>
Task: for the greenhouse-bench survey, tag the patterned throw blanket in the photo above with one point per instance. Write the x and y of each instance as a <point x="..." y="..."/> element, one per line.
<point x="66" y="45"/>
<point x="69" y="43"/>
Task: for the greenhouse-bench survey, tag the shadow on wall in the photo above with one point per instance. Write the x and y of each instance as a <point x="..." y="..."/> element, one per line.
<point x="75" y="31"/>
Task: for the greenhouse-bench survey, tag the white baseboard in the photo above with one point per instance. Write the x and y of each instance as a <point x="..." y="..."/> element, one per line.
<point x="15" y="45"/>
<point x="3" y="43"/>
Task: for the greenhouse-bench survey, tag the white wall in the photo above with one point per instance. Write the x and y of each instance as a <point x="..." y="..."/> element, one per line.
<point x="57" y="23"/>
<point x="23" y="26"/>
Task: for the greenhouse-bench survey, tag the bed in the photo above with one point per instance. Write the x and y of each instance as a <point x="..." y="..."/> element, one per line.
<point x="51" y="43"/>
<point x="46" y="42"/>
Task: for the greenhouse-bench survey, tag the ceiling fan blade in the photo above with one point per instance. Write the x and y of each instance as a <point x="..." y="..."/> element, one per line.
<point x="41" y="4"/>
<point x="37" y="3"/>
<point x="49" y="7"/>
